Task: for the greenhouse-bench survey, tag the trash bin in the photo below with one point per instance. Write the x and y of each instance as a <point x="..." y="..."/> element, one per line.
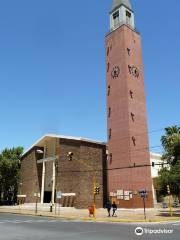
<point x="91" y="211"/>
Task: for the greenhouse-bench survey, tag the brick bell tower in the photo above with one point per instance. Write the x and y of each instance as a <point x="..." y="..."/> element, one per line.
<point x="128" y="146"/>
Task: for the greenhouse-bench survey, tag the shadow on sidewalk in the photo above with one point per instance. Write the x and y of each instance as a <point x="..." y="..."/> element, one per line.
<point x="166" y="213"/>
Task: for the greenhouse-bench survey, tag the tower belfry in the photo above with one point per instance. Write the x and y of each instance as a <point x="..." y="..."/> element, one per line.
<point x="121" y="13"/>
<point x="128" y="145"/>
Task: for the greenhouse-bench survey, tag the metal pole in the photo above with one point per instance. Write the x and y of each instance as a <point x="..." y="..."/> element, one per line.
<point x="36" y="204"/>
<point x="144" y="207"/>
<point x="53" y="183"/>
<point x="170" y="207"/>
<point x="59" y="201"/>
<point x="94" y="185"/>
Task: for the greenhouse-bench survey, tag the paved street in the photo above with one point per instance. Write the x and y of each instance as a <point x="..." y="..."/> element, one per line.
<point x="17" y="227"/>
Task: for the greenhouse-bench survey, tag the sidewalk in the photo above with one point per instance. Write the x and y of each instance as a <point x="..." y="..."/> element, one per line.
<point x="123" y="215"/>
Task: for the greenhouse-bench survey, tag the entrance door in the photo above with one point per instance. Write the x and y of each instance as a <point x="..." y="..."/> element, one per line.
<point x="47" y="197"/>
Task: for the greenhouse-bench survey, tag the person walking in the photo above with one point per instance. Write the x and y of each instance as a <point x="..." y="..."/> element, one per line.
<point x="108" y="207"/>
<point x="114" y="206"/>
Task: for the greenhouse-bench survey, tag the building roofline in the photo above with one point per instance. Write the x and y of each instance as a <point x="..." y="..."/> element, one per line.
<point x="62" y="137"/>
<point x="117" y="7"/>
<point x="156" y="155"/>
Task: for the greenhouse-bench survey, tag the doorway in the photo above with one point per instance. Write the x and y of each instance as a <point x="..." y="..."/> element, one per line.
<point x="47" y="197"/>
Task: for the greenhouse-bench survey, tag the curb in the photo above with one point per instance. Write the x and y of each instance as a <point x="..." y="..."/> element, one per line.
<point x="96" y="219"/>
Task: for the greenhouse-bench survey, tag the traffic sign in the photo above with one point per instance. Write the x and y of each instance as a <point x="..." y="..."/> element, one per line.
<point x="59" y="194"/>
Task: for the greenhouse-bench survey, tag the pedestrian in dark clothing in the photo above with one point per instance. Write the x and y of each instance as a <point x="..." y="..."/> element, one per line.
<point x="108" y="207"/>
<point x="114" y="206"/>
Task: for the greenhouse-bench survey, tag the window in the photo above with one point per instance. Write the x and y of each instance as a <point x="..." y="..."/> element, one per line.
<point x="116" y="18"/>
<point x="109" y="89"/>
<point x="110" y="158"/>
<point x="131" y="94"/>
<point x="108" y="66"/>
<point x="133" y="117"/>
<point x="130" y="69"/>
<point x="129" y="51"/>
<point x="134" y="141"/>
<point x="128" y="14"/>
<point x="110" y="132"/>
<point x="116" y="15"/>
<point x="107" y="51"/>
<point x="109" y="112"/>
<point x="128" y="17"/>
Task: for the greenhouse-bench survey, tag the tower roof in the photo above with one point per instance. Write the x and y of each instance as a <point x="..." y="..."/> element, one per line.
<point x="118" y="3"/>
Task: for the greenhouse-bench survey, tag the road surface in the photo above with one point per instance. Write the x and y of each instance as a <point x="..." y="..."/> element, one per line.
<point x="19" y="227"/>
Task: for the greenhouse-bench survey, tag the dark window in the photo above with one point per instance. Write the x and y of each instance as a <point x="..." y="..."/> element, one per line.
<point x="130" y="69"/>
<point x="109" y="112"/>
<point x="134" y="141"/>
<point x="107" y="51"/>
<point x="110" y="132"/>
<point x="129" y="51"/>
<point x="108" y="65"/>
<point x="109" y="89"/>
<point x="128" y="14"/>
<point x="110" y="158"/>
<point x="133" y="117"/>
<point x="116" y="15"/>
<point x="128" y="18"/>
<point x="131" y="94"/>
<point x="116" y="18"/>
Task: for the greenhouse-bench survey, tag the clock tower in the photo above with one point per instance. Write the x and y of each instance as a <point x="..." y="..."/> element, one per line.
<point x="128" y="147"/>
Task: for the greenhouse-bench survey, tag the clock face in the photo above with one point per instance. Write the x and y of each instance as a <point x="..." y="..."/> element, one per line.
<point x="134" y="71"/>
<point x="115" y="72"/>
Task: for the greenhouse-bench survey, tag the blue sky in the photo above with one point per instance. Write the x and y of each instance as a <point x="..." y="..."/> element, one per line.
<point x="52" y="67"/>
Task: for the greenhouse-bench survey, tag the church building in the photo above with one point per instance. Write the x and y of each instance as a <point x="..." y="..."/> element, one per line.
<point x="64" y="167"/>
<point x="68" y="168"/>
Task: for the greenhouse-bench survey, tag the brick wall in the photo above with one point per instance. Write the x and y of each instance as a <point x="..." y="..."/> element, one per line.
<point x="126" y="96"/>
<point x="29" y="176"/>
<point x="76" y="176"/>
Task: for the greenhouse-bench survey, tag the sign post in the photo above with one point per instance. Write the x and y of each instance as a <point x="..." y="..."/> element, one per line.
<point x="37" y="195"/>
<point x="59" y="195"/>
<point x="143" y="195"/>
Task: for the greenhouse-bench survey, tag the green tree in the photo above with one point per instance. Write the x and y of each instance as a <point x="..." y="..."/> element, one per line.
<point x="170" y="174"/>
<point x="171" y="144"/>
<point x="9" y="173"/>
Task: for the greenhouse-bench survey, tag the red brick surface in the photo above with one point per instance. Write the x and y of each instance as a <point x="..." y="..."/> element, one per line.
<point x="123" y="128"/>
<point x="76" y="176"/>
